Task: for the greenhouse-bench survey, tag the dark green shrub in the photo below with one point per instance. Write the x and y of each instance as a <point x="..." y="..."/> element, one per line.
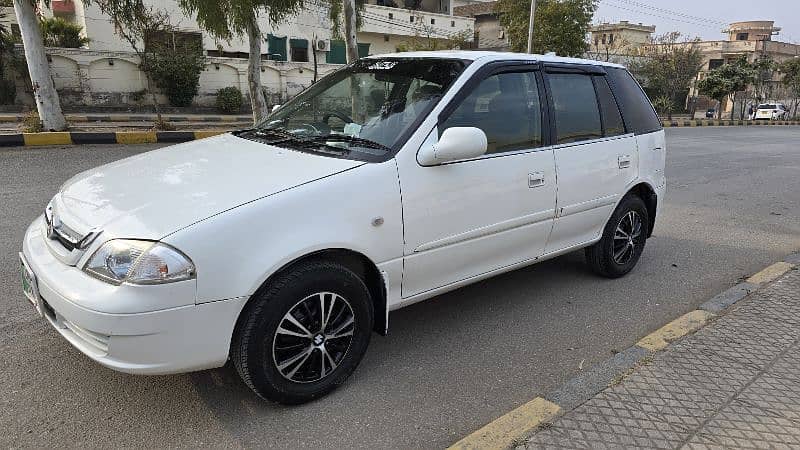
<point x="58" y="32"/>
<point x="176" y="73"/>
<point x="229" y="100"/>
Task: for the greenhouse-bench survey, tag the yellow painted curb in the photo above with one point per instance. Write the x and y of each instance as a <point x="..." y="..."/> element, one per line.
<point x="679" y="327"/>
<point x="136" y="137"/>
<point x="208" y="133"/>
<point x="510" y="427"/>
<point x="47" y="138"/>
<point x="770" y="273"/>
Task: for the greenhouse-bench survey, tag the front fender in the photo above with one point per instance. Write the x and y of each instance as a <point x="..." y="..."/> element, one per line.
<point x="235" y="252"/>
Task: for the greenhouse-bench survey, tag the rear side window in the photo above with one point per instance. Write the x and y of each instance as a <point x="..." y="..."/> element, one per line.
<point x="612" y="119"/>
<point x="575" y="106"/>
<point x="637" y="111"/>
<point x="506" y="107"/>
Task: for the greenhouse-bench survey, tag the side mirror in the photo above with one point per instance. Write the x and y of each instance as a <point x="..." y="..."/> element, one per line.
<point x="275" y="108"/>
<point x="456" y="143"/>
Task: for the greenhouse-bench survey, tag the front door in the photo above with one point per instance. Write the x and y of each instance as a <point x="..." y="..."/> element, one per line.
<point x="468" y="218"/>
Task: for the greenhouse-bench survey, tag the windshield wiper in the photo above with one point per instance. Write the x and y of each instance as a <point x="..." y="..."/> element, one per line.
<point x="360" y="142"/>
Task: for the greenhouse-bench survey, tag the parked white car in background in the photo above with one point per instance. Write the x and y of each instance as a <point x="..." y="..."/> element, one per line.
<point x="394" y="179"/>
<point x="771" y="111"/>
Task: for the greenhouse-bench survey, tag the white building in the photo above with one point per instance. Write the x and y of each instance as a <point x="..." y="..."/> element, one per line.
<point x="106" y="71"/>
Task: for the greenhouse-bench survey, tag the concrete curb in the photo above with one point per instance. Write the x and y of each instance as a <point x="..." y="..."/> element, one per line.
<point x="725" y="123"/>
<point x="513" y="428"/>
<point x="83" y="118"/>
<point x="120" y="137"/>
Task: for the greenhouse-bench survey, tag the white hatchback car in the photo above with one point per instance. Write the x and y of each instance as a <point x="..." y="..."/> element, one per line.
<point x="392" y="180"/>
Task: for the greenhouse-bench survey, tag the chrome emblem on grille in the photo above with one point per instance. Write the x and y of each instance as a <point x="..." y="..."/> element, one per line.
<point x="53" y="223"/>
<point x="56" y="230"/>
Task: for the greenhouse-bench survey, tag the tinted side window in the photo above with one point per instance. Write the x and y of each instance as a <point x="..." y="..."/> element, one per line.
<point x="612" y="120"/>
<point x="638" y="113"/>
<point x="506" y="107"/>
<point x="575" y="105"/>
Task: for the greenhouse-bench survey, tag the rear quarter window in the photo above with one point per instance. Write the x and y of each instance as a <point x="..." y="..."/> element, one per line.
<point x="637" y="111"/>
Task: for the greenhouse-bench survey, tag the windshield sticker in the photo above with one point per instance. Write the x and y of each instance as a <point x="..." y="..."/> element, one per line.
<point x="382" y="65"/>
<point x="352" y="129"/>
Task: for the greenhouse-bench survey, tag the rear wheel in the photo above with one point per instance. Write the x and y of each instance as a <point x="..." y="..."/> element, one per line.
<point x="304" y="334"/>
<point x="623" y="239"/>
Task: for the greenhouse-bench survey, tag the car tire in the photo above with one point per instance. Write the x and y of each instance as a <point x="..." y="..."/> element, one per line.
<point x="623" y="239"/>
<point x="287" y="320"/>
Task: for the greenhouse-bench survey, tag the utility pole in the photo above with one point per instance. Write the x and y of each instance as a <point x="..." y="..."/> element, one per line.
<point x="530" y="27"/>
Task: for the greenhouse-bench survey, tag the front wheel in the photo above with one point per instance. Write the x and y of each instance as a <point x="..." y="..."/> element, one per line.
<point x="304" y="334"/>
<point x="623" y="239"/>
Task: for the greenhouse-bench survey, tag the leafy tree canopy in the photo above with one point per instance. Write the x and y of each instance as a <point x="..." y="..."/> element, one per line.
<point x="791" y="75"/>
<point x="228" y="18"/>
<point x="560" y="25"/>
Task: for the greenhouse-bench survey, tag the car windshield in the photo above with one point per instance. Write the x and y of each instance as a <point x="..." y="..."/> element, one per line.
<point x="363" y="111"/>
<point x="767" y="106"/>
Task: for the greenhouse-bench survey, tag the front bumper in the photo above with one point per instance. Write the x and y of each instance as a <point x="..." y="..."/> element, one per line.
<point x="96" y="317"/>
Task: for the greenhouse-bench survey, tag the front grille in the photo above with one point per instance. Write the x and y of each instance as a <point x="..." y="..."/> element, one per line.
<point x="61" y="233"/>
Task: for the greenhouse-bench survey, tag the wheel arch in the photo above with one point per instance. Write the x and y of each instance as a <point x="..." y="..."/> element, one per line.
<point x="646" y="192"/>
<point x="359" y="263"/>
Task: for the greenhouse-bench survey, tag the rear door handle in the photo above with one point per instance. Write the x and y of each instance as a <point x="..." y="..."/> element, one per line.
<point x="536" y="179"/>
<point x="624" y="161"/>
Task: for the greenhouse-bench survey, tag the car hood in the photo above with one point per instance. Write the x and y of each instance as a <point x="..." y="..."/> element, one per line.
<point x="154" y="194"/>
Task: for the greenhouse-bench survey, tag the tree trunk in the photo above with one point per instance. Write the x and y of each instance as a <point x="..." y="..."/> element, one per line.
<point x="44" y="90"/>
<point x="154" y="97"/>
<point x="352" y="55"/>
<point x="314" y="53"/>
<point x="257" y="101"/>
<point x="351" y="41"/>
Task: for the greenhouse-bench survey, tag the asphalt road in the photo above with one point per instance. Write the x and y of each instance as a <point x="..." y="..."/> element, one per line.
<point x="450" y="364"/>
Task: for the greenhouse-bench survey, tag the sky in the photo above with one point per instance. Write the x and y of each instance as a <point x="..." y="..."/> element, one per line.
<point x="703" y="18"/>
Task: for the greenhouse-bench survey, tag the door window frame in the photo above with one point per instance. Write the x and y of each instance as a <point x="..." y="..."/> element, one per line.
<point x="591" y="71"/>
<point x="489" y="70"/>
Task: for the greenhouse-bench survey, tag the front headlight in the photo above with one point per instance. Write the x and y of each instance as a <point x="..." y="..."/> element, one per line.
<point x="139" y="262"/>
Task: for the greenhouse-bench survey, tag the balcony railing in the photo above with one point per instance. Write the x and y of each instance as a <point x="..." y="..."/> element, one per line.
<point x="406" y="22"/>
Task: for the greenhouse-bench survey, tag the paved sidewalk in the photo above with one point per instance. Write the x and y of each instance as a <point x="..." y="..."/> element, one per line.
<point x="733" y="384"/>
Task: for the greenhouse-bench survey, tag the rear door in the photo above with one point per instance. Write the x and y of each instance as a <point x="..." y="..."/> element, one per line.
<point x="596" y="158"/>
<point x="641" y="119"/>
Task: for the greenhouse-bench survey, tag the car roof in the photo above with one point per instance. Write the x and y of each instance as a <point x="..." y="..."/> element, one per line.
<point x="486" y="56"/>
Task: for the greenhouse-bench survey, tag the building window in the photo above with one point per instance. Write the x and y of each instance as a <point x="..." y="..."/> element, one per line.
<point x="337" y="53"/>
<point x="452" y="23"/>
<point x="433" y="21"/>
<point x="604" y="39"/>
<point x="299" y="49"/>
<point x="174" y="40"/>
<point x="611" y="38"/>
<point x="222" y="54"/>
<point x="742" y="36"/>
<point x="363" y="50"/>
<point x="391" y="15"/>
<point x="276" y="47"/>
<point x="411" y="19"/>
<point x="714" y="63"/>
